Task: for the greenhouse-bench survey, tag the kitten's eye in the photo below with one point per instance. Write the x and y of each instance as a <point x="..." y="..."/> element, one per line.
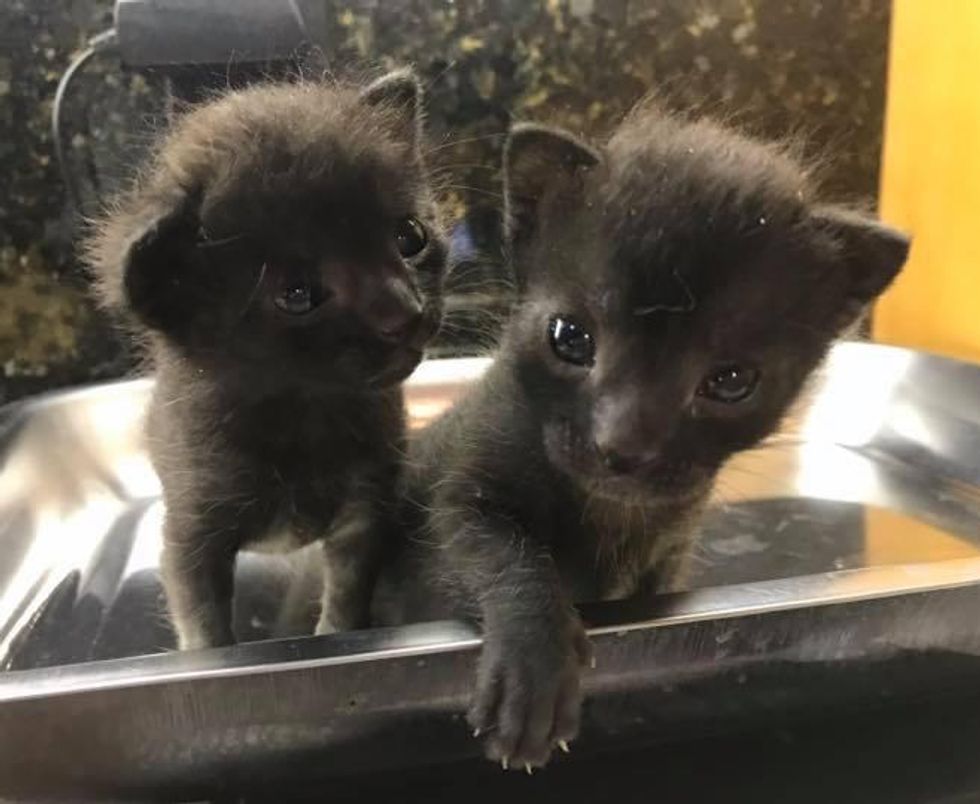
<point x="730" y="384"/>
<point x="298" y="296"/>
<point x="571" y="342"/>
<point x="410" y="237"/>
<point x="295" y="300"/>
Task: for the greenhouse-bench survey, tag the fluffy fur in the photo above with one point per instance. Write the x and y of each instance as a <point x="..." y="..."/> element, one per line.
<point x="710" y="282"/>
<point x="282" y="260"/>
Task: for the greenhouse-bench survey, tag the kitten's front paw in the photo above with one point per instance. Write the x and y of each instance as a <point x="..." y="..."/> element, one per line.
<point x="528" y="696"/>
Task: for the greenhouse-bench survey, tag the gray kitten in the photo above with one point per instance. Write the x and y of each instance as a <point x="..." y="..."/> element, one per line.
<point x="282" y="260"/>
<point x="677" y="286"/>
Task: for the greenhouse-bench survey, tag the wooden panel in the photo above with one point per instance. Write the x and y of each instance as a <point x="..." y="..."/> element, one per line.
<point x="931" y="176"/>
<point x="892" y="538"/>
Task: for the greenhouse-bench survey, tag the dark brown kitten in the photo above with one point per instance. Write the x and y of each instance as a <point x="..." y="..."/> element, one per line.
<point x="677" y="286"/>
<point x="283" y="261"/>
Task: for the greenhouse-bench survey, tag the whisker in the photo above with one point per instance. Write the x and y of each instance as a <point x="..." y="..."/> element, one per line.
<point x="440" y="75"/>
<point x="465" y="166"/>
<point x="462" y="141"/>
<point x="480" y="190"/>
<point x="254" y="292"/>
<point x="224" y="241"/>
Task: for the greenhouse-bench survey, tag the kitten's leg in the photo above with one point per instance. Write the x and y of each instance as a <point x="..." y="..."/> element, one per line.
<point x="300" y="608"/>
<point x="672" y="574"/>
<point x="667" y="576"/>
<point x="672" y="559"/>
<point x="198" y="577"/>
<point x="528" y="690"/>
<point x="351" y="551"/>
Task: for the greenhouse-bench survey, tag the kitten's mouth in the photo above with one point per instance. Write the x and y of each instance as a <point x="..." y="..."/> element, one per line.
<point x="398" y="365"/>
<point x="674" y="482"/>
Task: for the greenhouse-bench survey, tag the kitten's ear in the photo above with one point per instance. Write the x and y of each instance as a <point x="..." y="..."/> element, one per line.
<point x="400" y="94"/>
<point x="154" y="261"/>
<point x="537" y="161"/>
<point x="871" y="252"/>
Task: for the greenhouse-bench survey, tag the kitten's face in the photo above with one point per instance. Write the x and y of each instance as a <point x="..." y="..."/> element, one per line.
<point x="337" y="280"/>
<point x="675" y="303"/>
<point x="298" y="245"/>
<point x="645" y="395"/>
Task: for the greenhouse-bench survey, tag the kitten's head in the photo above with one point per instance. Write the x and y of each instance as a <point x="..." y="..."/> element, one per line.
<point x="677" y="287"/>
<point x="286" y="233"/>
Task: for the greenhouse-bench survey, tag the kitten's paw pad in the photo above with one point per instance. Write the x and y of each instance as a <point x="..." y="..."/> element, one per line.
<point x="528" y="698"/>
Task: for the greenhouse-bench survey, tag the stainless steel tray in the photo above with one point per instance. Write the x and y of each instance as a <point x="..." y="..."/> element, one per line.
<point x="850" y="541"/>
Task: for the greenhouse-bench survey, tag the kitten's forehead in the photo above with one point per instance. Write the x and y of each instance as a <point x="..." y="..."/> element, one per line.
<point x="671" y="180"/>
<point x="341" y="188"/>
<point x="692" y="218"/>
<point x="283" y="147"/>
<point x="325" y="167"/>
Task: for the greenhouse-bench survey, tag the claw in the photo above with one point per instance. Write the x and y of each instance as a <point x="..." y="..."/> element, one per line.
<point x="476" y="732"/>
<point x="504" y="763"/>
<point x="528" y="768"/>
<point x="592" y="662"/>
<point x="564" y="746"/>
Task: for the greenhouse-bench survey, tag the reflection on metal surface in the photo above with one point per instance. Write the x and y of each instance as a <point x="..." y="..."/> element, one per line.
<point x="437" y="383"/>
<point x="801" y="560"/>
<point x="886" y="430"/>
<point x="855" y="425"/>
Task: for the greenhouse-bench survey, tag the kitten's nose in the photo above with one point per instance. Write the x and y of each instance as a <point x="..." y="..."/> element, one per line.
<point x="399" y="327"/>
<point x="624" y="458"/>
<point x="395" y="313"/>
<point x="621" y="433"/>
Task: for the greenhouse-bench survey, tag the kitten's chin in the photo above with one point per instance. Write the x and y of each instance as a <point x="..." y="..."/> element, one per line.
<point x="644" y="491"/>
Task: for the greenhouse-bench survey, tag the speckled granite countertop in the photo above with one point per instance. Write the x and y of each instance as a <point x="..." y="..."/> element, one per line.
<point x="788" y="67"/>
